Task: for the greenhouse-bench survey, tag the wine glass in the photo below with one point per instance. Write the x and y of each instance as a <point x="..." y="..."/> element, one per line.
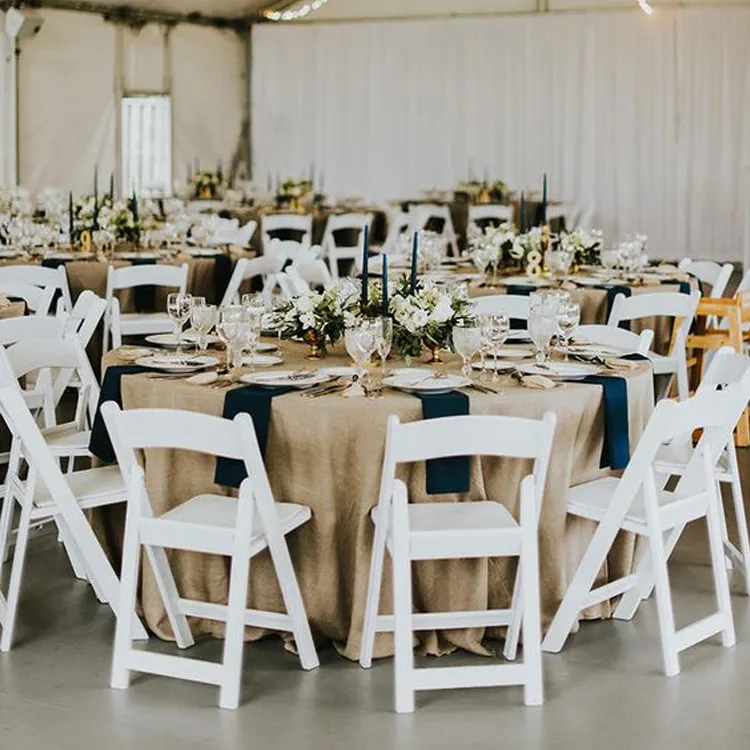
<point x="568" y="319"/>
<point x="384" y="340"/>
<point x="253" y="321"/>
<point x="203" y="318"/>
<point x="609" y="260"/>
<point x="360" y="343"/>
<point x="498" y="328"/>
<point x="231" y="330"/>
<point x="467" y="341"/>
<point x="254" y="303"/>
<point x="542" y="327"/>
<point x="178" y="309"/>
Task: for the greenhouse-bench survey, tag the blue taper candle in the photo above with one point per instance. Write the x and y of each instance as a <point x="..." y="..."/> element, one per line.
<point x="414" y="256"/>
<point x="365" y="266"/>
<point x="544" y="200"/>
<point x="522" y="215"/>
<point x="385" y="285"/>
<point x="70" y="216"/>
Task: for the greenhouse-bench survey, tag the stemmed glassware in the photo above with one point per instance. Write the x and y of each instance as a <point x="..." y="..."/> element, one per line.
<point x="178" y="309"/>
<point x="568" y="319"/>
<point x="543" y="325"/>
<point x="361" y="342"/>
<point x="383" y="340"/>
<point x="495" y="330"/>
<point x="231" y="329"/>
<point x="467" y="341"/>
<point x="203" y="318"/>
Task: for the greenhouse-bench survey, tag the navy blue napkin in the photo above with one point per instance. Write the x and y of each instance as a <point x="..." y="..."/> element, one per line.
<point x="222" y="275"/>
<point x="144" y="297"/>
<point x="54" y="263"/>
<point x="100" y="445"/>
<point x="616" y="446"/>
<point x="446" y="475"/>
<point x="256" y="402"/>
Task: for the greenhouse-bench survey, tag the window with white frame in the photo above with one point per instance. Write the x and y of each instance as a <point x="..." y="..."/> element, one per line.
<point x="146" y="145"/>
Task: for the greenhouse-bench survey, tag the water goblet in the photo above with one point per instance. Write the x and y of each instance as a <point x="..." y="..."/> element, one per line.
<point x="384" y="340"/>
<point x="467" y="341"/>
<point x="203" y="318"/>
<point x="497" y="330"/>
<point x="568" y="319"/>
<point x="231" y="330"/>
<point x="178" y="310"/>
<point x="542" y="327"/>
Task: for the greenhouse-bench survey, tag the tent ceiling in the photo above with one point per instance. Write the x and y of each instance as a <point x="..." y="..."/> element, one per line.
<point x="215" y="8"/>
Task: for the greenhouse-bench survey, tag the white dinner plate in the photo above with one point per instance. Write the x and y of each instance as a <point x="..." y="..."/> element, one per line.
<point x="261" y="360"/>
<point x="340" y="372"/>
<point x="525" y="281"/>
<point x="412" y="372"/>
<point x="201" y="252"/>
<point x="168" y="341"/>
<point x="595" y="350"/>
<point x="432" y="383"/>
<point x="567" y="370"/>
<point x="489" y="364"/>
<point x="173" y="363"/>
<point x="137" y="256"/>
<point x="512" y="353"/>
<point x="519" y="336"/>
<point x="69" y="256"/>
<point x="265" y="347"/>
<point x="586" y="280"/>
<point x="289" y="378"/>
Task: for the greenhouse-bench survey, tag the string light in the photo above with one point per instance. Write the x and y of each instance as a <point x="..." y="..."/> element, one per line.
<point x="294" y="15"/>
<point x="645" y="7"/>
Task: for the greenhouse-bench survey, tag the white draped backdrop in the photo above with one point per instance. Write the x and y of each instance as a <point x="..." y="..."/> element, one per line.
<point x="648" y="118"/>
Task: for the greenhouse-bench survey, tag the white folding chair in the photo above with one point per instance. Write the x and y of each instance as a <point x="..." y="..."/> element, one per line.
<point x="41" y="277"/>
<point x="265" y="267"/>
<point x="440" y="530"/>
<point x="85" y="316"/>
<point x="638" y="503"/>
<point x="515" y="306"/>
<point x="208" y="524"/>
<point x="617" y="338"/>
<point x="31" y="327"/>
<point x="672" y="459"/>
<point x="335" y="252"/>
<point x="48" y="494"/>
<point x="709" y="272"/>
<point x="491" y="213"/>
<point x="118" y="324"/>
<point x="675" y="305"/>
<point x="313" y="273"/>
<point x="289" y="286"/>
<point x="291" y="251"/>
<point x="271" y="224"/>
<point x="426" y="212"/>
<point x="38" y="300"/>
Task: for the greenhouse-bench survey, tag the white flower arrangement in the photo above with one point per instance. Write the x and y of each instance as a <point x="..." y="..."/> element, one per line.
<point x="15" y="202"/>
<point x="492" y="242"/>
<point x="523" y="244"/>
<point x="295" y="189"/>
<point x="120" y="221"/>
<point x="51" y="201"/>
<point x="583" y="245"/>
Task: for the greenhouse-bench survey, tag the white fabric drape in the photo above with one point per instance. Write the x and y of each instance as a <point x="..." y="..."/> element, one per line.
<point x="7" y="108"/>
<point x="648" y="118"/>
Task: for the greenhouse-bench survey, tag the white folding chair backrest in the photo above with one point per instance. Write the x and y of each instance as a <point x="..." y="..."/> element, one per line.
<point x="515" y="306"/>
<point x="709" y="272"/>
<point x="286" y="223"/>
<point x="291" y="250"/>
<point x="245" y="233"/>
<point x="39" y="276"/>
<point x="315" y="273"/>
<point x="499" y="436"/>
<point x="726" y="368"/>
<point x="334" y="252"/>
<point x="618" y="338"/>
<point x="398" y="222"/>
<point x="85" y="316"/>
<point x="298" y="284"/>
<point x="31" y="327"/>
<point x="128" y="277"/>
<point x="38" y="299"/>
<point x="490" y="214"/>
<point x="265" y="267"/>
<point x="422" y="214"/>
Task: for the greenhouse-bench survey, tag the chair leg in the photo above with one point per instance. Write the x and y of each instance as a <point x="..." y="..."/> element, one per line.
<point x="16" y="575"/>
<point x="170" y="596"/>
<point x="741" y="517"/>
<point x="120" y="677"/>
<point x="402" y="608"/>
<point x="718" y="565"/>
<point x="373" y="593"/>
<point x="239" y="577"/>
<point x="6" y="521"/>
<point x="510" y="650"/>
<point x="71" y="551"/>
<point x="530" y="601"/>
<point x="664" y="605"/>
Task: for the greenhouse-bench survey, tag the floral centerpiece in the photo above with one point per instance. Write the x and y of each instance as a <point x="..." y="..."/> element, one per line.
<point x="426" y="317"/>
<point x="491" y="245"/>
<point x="122" y="221"/>
<point x="206" y="185"/>
<point x="320" y="318"/>
<point x="291" y="192"/>
<point x="584" y="245"/>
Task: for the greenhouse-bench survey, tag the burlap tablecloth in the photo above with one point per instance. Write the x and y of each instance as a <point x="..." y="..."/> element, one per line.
<point x="327" y="453"/>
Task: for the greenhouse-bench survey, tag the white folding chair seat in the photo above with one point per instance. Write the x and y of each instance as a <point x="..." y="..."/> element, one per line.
<point x="47" y="280"/>
<point x="442" y="530"/>
<point x="48" y="494"/>
<point x="209" y="524"/>
<point x="335" y="252"/>
<point x="618" y="338"/>
<point x="675" y="305"/>
<point x="118" y="324"/>
<point x="246" y="269"/>
<point x="424" y="213"/>
<point x="271" y="224"/>
<point x="639" y="503"/>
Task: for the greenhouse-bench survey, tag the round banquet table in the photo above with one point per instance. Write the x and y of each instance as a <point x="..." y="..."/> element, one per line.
<point x="327" y="453"/>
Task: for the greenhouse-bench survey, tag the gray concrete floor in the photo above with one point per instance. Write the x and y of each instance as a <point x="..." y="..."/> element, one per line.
<point x="605" y="690"/>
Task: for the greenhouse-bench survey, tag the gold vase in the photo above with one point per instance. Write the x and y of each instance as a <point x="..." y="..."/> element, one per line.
<point x="313" y="339"/>
<point x="434" y="354"/>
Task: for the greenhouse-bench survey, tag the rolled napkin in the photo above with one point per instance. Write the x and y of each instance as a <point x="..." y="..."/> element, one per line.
<point x="99" y="444"/>
<point x="538" y="382"/>
<point x="256" y="402"/>
<point x="446" y="475"/>
<point x="616" y="445"/>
